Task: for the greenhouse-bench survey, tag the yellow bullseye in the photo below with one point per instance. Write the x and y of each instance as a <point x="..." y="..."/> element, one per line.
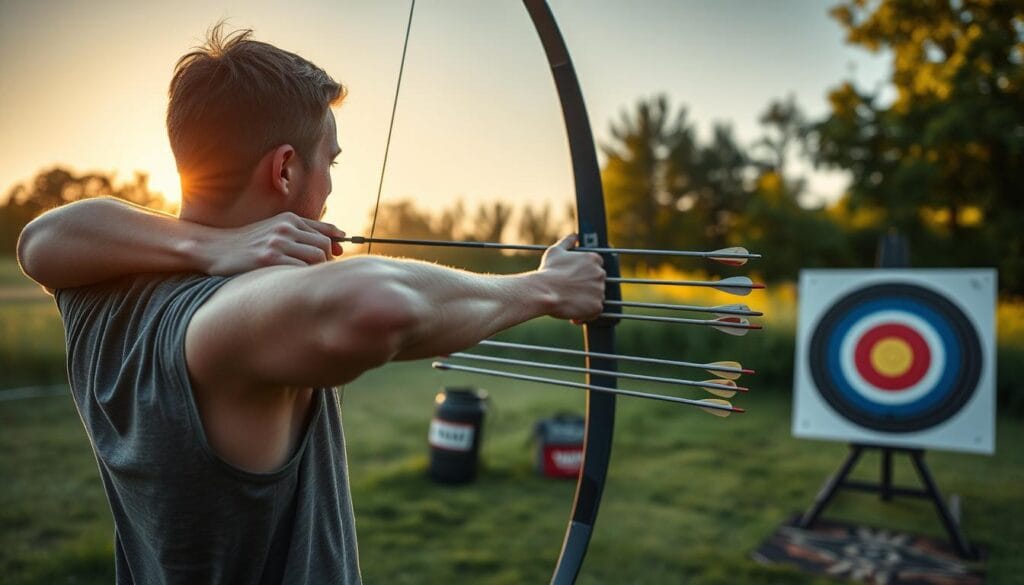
<point x="892" y="357"/>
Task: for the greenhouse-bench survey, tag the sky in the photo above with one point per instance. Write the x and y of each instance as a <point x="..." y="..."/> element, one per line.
<point x="84" y="84"/>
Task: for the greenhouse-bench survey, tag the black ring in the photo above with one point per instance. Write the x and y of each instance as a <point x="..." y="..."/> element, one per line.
<point x="963" y="387"/>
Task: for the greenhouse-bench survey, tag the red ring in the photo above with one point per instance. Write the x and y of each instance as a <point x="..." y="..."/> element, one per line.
<point x="921" y="357"/>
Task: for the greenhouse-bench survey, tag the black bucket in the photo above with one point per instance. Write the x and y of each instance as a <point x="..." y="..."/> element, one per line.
<point x="455" y="434"/>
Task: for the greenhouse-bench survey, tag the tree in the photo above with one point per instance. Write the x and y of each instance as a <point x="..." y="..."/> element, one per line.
<point x="54" y="187"/>
<point x="723" y="186"/>
<point x="536" y="225"/>
<point x="404" y="220"/>
<point x="791" y="235"/>
<point x="785" y="131"/>
<point x="945" y="159"/>
<point x="650" y="179"/>
<point x="490" y="222"/>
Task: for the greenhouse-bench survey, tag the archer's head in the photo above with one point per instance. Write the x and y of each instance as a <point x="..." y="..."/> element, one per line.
<point x="251" y="129"/>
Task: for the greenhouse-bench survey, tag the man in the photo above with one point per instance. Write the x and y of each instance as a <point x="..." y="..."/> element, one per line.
<point x="208" y="399"/>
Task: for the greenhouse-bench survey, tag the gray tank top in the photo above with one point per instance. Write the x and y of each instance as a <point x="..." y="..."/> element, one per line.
<point x="181" y="513"/>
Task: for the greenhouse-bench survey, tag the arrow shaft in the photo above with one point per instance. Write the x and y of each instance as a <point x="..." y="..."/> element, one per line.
<point x="694" y="308"/>
<point x="612" y="356"/>
<point x="561" y="368"/>
<point x="541" y="248"/>
<point x="707" y="283"/>
<point x="568" y="384"/>
<point x="682" y="321"/>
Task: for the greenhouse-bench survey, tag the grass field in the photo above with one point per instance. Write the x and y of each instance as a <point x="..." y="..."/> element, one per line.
<point x="689" y="495"/>
<point x="688" y="498"/>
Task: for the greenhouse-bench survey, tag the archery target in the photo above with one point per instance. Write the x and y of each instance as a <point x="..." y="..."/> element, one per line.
<point x="897" y="357"/>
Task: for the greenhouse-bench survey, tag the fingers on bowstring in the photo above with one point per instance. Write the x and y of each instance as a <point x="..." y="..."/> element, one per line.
<point x="315" y="239"/>
<point x="328" y="229"/>
<point x="330" y="232"/>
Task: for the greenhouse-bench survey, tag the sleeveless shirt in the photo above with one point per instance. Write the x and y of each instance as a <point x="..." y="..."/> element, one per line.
<point x="181" y="513"/>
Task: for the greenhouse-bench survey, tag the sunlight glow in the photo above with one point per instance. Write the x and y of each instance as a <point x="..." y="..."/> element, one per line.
<point x="163" y="178"/>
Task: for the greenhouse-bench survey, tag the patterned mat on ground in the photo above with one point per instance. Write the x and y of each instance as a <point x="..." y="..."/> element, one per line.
<point x="867" y="555"/>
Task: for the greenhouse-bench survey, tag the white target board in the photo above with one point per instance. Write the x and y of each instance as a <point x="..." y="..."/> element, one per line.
<point x="897" y="357"/>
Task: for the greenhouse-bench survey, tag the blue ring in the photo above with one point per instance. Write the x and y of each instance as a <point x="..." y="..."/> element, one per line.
<point x="943" y="387"/>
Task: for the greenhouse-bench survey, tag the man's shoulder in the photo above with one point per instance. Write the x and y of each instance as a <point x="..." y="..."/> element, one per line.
<point x="133" y="292"/>
<point x="134" y="284"/>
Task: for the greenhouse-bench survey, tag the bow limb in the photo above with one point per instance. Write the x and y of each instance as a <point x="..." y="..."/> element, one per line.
<point x="599" y="335"/>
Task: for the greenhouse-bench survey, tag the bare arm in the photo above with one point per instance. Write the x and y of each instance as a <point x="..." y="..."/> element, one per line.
<point x="97" y="239"/>
<point x="325" y="325"/>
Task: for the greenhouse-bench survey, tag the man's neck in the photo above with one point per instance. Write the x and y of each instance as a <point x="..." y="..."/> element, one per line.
<point x="242" y="210"/>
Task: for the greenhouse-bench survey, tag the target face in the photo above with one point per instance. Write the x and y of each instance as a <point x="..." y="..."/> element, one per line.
<point x="895" y="357"/>
<point x="884" y="356"/>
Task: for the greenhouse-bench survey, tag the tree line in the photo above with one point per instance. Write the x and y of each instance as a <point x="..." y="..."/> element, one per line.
<point x="58" y="186"/>
<point x="942" y="162"/>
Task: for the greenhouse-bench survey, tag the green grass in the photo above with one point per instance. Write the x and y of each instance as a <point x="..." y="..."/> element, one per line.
<point x="10" y="274"/>
<point x="31" y="335"/>
<point x="31" y="343"/>
<point x="688" y="498"/>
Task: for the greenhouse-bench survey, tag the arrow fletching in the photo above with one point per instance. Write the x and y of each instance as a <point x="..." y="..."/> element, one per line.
<point x="722" y="392"/>
<point x="719" y="391"/>
<point x="733" y="330"/>
<point x="729" y="260"/>
<point x="729" y="374"/>
<point x="723" y="408"/>
<point x="734" y="285"/>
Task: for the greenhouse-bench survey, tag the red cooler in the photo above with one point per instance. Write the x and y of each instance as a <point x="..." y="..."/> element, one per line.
<point x="559" y="445"/>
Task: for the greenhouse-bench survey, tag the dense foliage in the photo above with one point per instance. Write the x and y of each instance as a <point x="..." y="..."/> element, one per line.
<point x="57" y="186"/>
<point x="942" y="161"/>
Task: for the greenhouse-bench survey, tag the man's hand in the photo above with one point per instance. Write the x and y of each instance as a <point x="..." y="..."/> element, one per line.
<point x="285" y="239"/>
<point x="577" y="279"/>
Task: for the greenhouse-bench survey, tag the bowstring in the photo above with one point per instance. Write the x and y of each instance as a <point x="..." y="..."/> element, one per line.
<point x="391" y="126"/>
<point x="387" y="147"/>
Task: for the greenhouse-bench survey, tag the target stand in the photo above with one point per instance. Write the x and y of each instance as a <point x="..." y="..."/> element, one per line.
<point x="949" y="514"/>
<point x="896" y="360"/>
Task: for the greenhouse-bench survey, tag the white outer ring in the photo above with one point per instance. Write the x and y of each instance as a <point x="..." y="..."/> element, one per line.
<point x="932" y="339"/>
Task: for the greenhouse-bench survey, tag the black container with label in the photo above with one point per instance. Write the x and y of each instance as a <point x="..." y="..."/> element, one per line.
<point x="455" y="434"/>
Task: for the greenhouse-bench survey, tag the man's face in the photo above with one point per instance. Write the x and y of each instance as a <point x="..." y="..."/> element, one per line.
<point x="313" y="201"/>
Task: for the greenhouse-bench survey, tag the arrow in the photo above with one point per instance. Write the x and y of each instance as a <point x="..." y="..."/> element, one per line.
<point x="720" y="310"/>
<point x="734" y="256"/>
<point x="724" y="393"/>
<point x="712" y="386"/>
<point x="728" y="369"/>
<point x="727" y="324"/>
<point x="734" y="285"/>
<point x="741" y="310"/>
<point x="720" y="407"/>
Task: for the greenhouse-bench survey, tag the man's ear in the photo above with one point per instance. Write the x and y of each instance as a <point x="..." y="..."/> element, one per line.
<point x="284" y="169"/>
